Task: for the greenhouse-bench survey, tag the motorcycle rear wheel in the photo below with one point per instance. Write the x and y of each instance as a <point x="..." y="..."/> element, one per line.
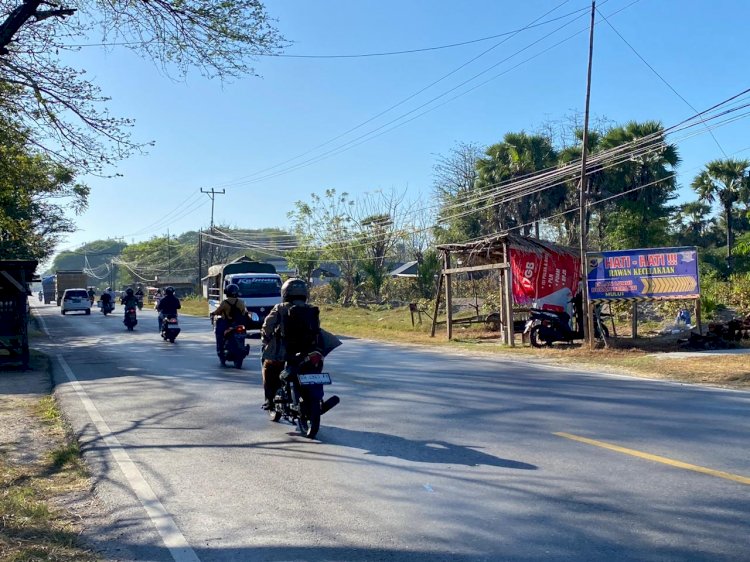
<point x="274" y="416"/>
<point x="309" y="419"/>
<point x="171" y="340"/>
<point x="238" y="363"/>
<point x="535" y="340"/>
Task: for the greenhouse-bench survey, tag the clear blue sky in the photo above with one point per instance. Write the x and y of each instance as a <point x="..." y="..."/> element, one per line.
<point x="208" y="133"/>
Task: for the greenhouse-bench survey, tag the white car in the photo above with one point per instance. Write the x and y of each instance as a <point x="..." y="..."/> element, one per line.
<point x="75" y="300"/>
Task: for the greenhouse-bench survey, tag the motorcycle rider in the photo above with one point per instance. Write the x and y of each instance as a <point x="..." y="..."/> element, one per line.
<point x="275" y="347"/>
<point x="169" y="304"/>
<point x="139" y="295"/>
<point x="92" y="294"/>
<point x="231" y="311"/>
<point x="106" y="299"/>
<point x="128" y="300"/>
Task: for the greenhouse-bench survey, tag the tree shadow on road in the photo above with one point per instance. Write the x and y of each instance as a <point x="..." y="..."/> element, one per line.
<point x="428" y="451"/>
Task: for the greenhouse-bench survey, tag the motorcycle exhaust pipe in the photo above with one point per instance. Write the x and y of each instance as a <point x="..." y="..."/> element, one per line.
<point x="329" y="404"/>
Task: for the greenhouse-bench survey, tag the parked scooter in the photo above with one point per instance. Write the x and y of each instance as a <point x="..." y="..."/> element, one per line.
<point x="130" y="319"/>
<point x="545" y="327"/>
<point x="170" y="328"/>
<point x="235" y="348"/>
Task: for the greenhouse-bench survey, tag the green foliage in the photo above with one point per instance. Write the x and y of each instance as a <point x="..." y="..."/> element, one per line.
<point x="427" y="271"/>
<point x="34" y="193"/>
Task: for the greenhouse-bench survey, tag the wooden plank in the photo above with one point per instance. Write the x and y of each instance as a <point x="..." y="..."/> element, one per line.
<point x="508" y="278"/>
<point x="476" y="268"/>
<point x="448" y="296"/>
<point x="437" y="304"/>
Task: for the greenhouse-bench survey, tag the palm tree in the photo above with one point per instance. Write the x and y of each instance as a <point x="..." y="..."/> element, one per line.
<point x="691" y="222"/>
<point x="726" y="181"/>
<point x="518" y="155"/>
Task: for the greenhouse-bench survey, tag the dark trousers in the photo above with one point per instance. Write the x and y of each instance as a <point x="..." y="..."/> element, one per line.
<point x="220" y="325"/>
<point x="271" y="381"/>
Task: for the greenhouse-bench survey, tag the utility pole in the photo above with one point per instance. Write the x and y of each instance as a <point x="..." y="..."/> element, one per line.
<point x="212" y="195"/>
<point x="169" y="259"/>
<point x="588" y="323"/>
<point x="200" y="257"/>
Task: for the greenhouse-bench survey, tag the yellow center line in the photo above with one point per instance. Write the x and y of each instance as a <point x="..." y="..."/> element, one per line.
<point x="657" y="458"/>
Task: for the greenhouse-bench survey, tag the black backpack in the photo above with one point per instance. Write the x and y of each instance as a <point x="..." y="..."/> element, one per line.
<point x="300" y="328"/>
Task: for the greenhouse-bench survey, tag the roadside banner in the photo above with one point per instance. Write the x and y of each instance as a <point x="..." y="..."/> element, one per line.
<point x="546" y="279"/>
<point x="646" y="274"/>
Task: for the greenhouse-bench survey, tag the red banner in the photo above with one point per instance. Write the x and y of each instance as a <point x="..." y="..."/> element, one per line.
<point x="547" y="280"/>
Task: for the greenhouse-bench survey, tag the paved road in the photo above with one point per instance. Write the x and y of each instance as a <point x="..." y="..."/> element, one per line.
<point x="430" y="456"/>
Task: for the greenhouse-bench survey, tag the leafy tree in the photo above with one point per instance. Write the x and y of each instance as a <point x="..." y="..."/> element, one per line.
<point x="34" y="191"/>
<point x="691" y="224"/>
<point x="518" y="155"/>
<point x="645" y="181"/>
<point x="327" y="222"/>
<point x="726" y="182"/>
<point x="216" y="37"/>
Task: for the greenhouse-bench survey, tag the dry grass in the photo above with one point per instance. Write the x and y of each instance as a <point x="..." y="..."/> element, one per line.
<point x="194" y="306"/>
<point x="32" y="528"/>
<point x="623" y="355"/>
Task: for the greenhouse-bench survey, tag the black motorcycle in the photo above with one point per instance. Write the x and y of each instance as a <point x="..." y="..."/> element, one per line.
<point x="130" y="319"/>
<point x="300" y="398"/>
<point x="170" y="327"/>
<point x="107" y="307"/>
<point x="545" y="327"/>
<point x="235" y="348"/>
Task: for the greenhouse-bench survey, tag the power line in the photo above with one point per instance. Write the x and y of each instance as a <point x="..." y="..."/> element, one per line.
<point x="350" y="55"/>
<point x="397" y="104"/>
<point x="664" y="80"/>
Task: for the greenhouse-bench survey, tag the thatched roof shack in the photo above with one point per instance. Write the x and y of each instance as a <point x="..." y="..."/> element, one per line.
<point x="490" y="253"/>
<point x="492" y="249"/>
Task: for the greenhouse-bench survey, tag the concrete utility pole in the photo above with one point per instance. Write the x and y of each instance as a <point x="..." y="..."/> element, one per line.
<point x="588" y="324"/>
<point x="212" y="194"/>
<point x="169" y="258"/>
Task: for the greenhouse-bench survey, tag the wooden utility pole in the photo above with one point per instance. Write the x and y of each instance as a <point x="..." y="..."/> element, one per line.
<point x="169" y="259"/>
<point x="200" y="256"/>
<point x="588" y="324"/>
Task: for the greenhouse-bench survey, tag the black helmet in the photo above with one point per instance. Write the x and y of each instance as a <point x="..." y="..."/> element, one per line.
<point x="169" y="290"/>
<point x="294" y="289"/>
<point x="129" y="292"/>
<point x="232" y="290"/>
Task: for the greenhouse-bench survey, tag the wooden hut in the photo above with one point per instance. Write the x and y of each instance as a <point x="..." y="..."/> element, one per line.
<point x="501" y="252"/>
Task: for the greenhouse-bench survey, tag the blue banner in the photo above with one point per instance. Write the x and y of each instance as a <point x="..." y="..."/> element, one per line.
<point x="653" y="273"/>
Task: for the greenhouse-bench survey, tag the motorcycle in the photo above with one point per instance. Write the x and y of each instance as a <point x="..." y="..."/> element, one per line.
<point x="300" y="398"/>
<point x="235" y="349"/>
<point x="41" y="296"/>
<point x="545" y="327"/>
<point x="107" y="307"/>
<point x="139" y="298"/>
<point x="170" y="327"/>
<point x="130" y="319"/>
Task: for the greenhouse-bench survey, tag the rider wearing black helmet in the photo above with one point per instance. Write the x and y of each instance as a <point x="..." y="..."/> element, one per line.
<point x="232" y="310"/>
<point x="276" y="348"/>
<point x="169" y="304"/>
<point x="128" y="299"/>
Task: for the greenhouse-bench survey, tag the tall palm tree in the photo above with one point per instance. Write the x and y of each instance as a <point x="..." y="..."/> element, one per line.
<point x="518" y="155"/>
<point x="726" y="182"/>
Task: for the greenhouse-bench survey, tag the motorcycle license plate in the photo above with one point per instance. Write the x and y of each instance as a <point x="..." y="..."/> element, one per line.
<point x="315" y="378"/>
<point x="172" y="326"/>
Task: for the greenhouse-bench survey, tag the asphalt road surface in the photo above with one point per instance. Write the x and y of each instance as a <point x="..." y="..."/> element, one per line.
<point x="431" y="455"/>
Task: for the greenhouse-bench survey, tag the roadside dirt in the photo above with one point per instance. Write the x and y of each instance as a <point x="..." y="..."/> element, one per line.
<point x="45" y="494"/>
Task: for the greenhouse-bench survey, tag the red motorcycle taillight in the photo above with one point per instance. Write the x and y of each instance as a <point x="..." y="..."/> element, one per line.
<point x="172" y="320"/>
<point x="240" y="329"/>
<point x="546" y="323"/>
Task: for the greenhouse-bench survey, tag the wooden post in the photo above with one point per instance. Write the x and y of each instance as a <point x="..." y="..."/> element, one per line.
<point x="698" y="316"/>
<point x="437" y="303"/>
<point x="634" y="320"/>
<point x="501" y="312"/>
<point x="448" y="297"/>
<point x="508" y="276"/>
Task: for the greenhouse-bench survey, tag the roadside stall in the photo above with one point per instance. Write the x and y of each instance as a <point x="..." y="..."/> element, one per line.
<point x="530" y="272"/>
<point x="15" y="279"/>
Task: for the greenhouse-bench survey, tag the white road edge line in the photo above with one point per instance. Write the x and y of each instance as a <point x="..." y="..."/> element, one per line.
<point x="42" y="322"/>
<point x="162" y="520"/>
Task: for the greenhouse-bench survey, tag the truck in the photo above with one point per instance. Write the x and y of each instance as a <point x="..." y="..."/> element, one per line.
<point x="48" y="289"/>
<point x="68" y="279"/>
<point x="259" y="284"/>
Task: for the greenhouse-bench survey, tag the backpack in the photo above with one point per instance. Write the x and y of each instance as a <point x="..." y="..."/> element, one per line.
<point x="300" y="328"/>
